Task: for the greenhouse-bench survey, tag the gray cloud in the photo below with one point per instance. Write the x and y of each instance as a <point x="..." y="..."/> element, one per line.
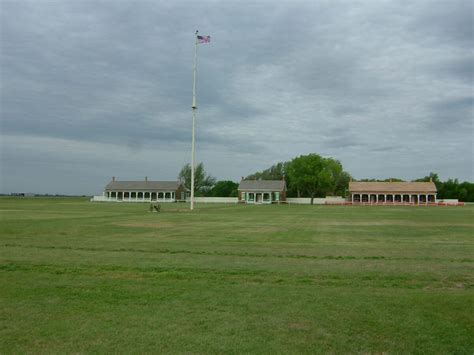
<point x="460" y="68"/>
<point x="453" y="113"/>
<point x="447" y="22"/>
<point x="370" y="83"/>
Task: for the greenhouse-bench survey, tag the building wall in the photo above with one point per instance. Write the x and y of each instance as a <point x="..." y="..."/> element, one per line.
<point x="281" y="198"/>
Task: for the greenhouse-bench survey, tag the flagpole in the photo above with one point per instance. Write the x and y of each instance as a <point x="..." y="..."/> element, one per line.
<point x="194" y="107"/>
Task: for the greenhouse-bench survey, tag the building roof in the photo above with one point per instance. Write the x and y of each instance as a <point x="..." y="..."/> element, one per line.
<point x="144" y="185"/>
<point x="262" y="185"/>
<point x="411" y="187"/>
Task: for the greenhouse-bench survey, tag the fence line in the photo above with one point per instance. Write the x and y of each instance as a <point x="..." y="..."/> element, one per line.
<point x="216" y="199"/>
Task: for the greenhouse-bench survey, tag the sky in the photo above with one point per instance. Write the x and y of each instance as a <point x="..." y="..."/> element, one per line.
<point x="95" y="89"/>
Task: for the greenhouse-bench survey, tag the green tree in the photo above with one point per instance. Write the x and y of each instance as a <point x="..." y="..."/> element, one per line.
<point x="202" y="181"/>
<point x="276" y="172"/>
<point x="451" y="188"/>
<point x="225" y="188"/>
<point x="342" y="184"/>
<point x="314" y="175"/>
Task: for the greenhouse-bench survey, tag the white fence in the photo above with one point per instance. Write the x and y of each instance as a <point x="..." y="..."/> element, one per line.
<point x="101" y="198"/>
<point x="294" y="201"/>
<point x="215" y="199"/>
<point x="317" y="201"/>
<point x="305" y="201"/>
<point x="447" y="201"/>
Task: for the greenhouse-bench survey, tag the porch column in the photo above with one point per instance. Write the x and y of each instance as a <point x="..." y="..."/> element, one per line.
<point x="377" y="198"/>
<point x="393" y="198"/>
<point x="352" y="198"/>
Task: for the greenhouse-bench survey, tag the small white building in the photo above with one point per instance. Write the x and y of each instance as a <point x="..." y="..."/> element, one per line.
<point x="262" y="191"/>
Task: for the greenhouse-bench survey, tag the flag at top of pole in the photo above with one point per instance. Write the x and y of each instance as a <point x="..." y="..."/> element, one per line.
<point x="204" y="39"/>
<point x="199" y="39"/>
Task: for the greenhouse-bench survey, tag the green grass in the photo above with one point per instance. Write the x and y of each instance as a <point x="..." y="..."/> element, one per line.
<point x="77" y="276"/>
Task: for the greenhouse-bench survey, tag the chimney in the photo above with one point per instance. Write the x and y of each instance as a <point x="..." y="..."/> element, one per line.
<point x="242" y="178"/>
<point x="431" y="179"/>
<point x="146" y="178"/>
<point x="113" y="178"/>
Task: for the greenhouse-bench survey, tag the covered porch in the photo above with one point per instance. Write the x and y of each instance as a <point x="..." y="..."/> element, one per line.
<point x="402" y="198"/>
<point x="260" y="197"/>
<point x="143" y="196"/>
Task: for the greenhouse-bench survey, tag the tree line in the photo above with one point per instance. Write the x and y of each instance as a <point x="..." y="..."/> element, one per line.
<point x="311" y="176"/>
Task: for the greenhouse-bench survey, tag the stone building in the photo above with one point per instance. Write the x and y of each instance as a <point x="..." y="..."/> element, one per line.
<point x="392" y="192"/>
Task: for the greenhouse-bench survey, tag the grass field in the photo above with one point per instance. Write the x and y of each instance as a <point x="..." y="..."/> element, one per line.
<point x="82" y="277"/>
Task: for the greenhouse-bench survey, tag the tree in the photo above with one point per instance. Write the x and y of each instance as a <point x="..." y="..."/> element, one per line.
<point x="342" y="184"/>
<point x="276" y="172"/>
<point x="224" y="188"/>
<point x="202" y="181"/>
<point x="316" y="176"/>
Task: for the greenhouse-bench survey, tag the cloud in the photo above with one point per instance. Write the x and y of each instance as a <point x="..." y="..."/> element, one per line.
<point x="369" y="83"/>
<point x="453" y="113"/>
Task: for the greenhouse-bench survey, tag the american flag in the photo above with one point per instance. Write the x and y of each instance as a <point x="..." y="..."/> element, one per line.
<point x="204" y="39"/>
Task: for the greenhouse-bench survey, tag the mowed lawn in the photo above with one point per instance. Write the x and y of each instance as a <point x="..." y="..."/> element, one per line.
<point x="78" y="276"/>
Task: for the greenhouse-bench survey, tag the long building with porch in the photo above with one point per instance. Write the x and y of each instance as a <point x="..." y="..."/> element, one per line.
<point x="392" y="192"/>
<point x="144" y="191"/>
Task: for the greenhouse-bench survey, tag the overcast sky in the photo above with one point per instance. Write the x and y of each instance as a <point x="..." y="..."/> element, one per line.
<point x="94" y="89"/>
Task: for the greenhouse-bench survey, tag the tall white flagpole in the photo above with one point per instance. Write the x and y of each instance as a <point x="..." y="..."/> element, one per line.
<point x="194" y="107"/>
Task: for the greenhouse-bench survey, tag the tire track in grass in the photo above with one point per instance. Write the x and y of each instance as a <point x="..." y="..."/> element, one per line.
<point x="253" y="277"/>
<point x="250" y="255"/>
